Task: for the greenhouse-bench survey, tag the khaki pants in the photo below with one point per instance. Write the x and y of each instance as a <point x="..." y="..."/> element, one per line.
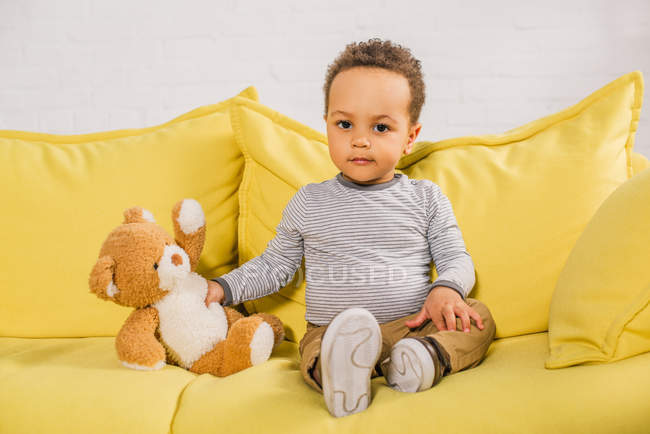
<point x="461" y="349"/>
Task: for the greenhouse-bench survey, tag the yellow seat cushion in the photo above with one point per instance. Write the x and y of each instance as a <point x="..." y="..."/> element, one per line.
<point x="78" y="385"/>
<point x="600" y="310"/>
<point x="521" y="198"/>
<point x="63" y="194"/>
<point x="509" y="391"/>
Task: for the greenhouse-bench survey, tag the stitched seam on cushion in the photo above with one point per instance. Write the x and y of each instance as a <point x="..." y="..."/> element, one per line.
<point x="266" y="226"/>
<point x="276" y="175"/>
<point x="77" y="139"/>
<point x="634" y="123"/>
<point x="282" y="120"/>
<point x="618" y="326"/>
<point x="612" y="334"/>
<point x="244" y="211"/>
<point x="178" y="402"/>
<point x="243" y="208"/>
<point x="248" y="168"/>
<point x="523" y="135"/>
<point x="250" y="158"/>
<point x="588" y="101"/>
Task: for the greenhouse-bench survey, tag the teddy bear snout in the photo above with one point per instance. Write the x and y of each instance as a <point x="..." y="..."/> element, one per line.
<point x="173" y="266"/>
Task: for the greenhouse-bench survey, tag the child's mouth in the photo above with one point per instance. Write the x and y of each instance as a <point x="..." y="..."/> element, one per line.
<point x="361" y="161"/>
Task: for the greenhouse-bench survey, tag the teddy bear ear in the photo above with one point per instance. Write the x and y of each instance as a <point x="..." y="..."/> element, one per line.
<point x="137" y="214"/>
<point x="101" y="278"/>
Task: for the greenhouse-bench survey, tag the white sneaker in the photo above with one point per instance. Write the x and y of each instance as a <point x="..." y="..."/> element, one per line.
<point x="412" y="367"/>
<point x="350" y="349"/>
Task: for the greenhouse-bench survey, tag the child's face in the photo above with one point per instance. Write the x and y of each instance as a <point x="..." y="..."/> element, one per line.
<point x="357" y="97"/>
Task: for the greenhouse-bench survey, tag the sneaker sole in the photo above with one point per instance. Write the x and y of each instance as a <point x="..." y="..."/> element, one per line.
<point x="411" y="368"/>
<point x="350" y="349"/>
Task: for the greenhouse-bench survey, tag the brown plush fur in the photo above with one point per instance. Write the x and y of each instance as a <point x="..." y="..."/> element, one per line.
<point x="191" y="243"/>
<point x="135" y="342"/>
<point x="275" y="323"/>
<point x="126" y="273"/>
<point x="235" y="349"/>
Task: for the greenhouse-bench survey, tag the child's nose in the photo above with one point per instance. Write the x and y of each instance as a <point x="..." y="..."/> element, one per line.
<point x="360" y="142"/>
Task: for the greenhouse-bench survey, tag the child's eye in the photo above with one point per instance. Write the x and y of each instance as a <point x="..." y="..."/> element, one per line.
<point x="383" y="126"/>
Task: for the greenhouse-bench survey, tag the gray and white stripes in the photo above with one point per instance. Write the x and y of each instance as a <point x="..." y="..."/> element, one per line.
<point x="369" y="246"/>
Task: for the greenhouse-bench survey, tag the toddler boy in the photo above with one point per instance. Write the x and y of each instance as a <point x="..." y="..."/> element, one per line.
<point x="368" y="236"/>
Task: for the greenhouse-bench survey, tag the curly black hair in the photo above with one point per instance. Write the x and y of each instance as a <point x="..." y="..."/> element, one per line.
<point x="376" y="53"/>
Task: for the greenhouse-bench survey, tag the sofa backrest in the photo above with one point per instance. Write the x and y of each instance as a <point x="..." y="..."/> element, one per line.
<point x="521" y="198"/>
<point x="62" y="195"/>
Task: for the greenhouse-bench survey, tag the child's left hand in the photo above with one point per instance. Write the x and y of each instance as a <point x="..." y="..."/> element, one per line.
<point x="442" y="305"/>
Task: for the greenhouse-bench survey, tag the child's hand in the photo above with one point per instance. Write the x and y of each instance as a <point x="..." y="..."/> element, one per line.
<point x="444" y="302"/>
<point x="215" y="293"/>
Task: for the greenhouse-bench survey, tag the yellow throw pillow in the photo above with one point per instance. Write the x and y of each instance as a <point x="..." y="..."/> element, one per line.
<point x="521" y="198"/>
<point x="63" y="194"/>
<point x="639" y="163"/>
<point x="600" y="310"/>
<point x="280" y="155"/>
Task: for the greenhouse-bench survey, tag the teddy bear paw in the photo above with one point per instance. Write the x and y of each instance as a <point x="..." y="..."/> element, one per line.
<point x="262" y="344"/>
<point x="159" y="365"/>
<point x="191" y="216"/>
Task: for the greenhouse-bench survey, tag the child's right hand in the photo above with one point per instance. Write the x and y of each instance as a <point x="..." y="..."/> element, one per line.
<point x="215" y="293"/>
<point x="444" y="304"/>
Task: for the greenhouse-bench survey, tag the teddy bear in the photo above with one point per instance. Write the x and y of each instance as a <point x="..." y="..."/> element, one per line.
<point x="141" y="266"/>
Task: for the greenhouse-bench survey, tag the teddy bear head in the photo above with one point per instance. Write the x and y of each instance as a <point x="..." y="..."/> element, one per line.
<point x="139" y="262"/>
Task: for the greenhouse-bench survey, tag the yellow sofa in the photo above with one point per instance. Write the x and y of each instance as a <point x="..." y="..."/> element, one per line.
<point x="62" y="194"/>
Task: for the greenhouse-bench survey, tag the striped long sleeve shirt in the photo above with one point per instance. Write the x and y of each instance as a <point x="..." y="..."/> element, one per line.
<point x="365" y="245"/>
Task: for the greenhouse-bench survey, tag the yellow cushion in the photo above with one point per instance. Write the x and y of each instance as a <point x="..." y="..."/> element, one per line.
<point x="280" y="156"/>
<point x="62" y="195"/>
<point x="600" y="310"/>
<point x="68" y="385"/>
<point x="521" y="198"/>
<point x="639" y="162"/>
<point x="78" y="385"/>
<point x="510" y="391"/>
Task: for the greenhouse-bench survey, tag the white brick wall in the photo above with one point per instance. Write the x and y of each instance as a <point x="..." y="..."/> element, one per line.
<point x="78" y="66"/>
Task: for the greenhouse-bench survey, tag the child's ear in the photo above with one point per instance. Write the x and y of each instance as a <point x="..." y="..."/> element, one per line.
<point x="415" y="130"/>
<point x="413" y="134"/>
